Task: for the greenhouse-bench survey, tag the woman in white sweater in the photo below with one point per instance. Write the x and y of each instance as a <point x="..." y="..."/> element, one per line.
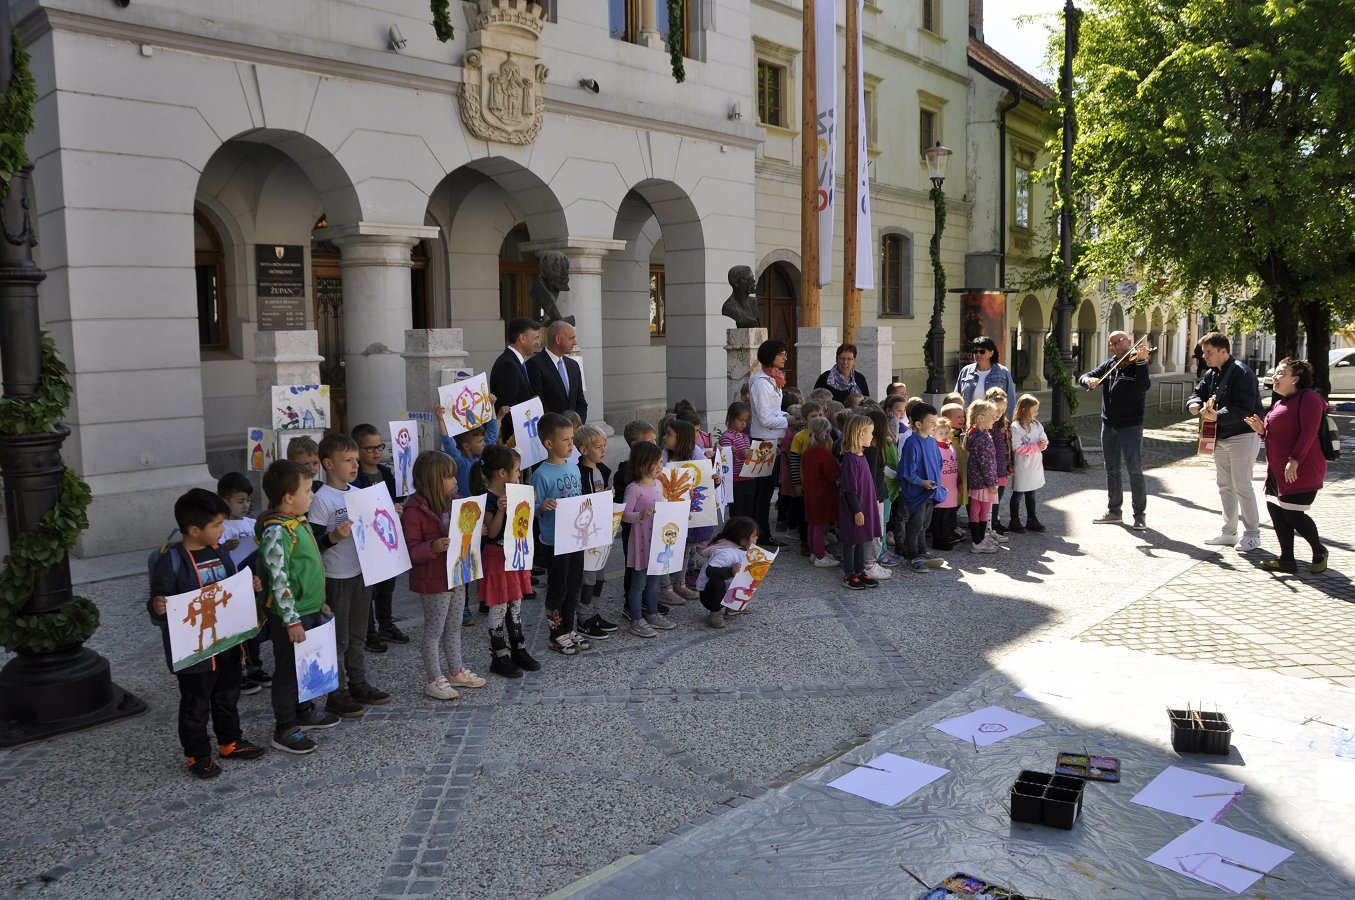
<point x="768" y="423"/>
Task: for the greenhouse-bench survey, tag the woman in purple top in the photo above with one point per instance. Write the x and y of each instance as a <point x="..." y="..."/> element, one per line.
<point x="858" y="517"/>
<point x="1295" y="465"/>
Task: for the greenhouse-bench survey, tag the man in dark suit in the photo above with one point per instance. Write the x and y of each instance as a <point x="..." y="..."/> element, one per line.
<point x="556" y="378"/>
<point x="508" y="379"/>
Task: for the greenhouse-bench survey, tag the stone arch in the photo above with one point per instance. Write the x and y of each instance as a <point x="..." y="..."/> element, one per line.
<point x="1087" y="334"/>
<point x="1115" y="319"/>
<point x="789" y="257"/>
<point x="1027" y="358"/>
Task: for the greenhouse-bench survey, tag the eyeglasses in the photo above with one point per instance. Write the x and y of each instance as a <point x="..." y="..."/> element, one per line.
<point x="374" y="448"/>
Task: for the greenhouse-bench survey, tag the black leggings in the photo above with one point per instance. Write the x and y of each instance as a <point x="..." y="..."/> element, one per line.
<point x="1014" y="507"/>
<point x="1289" y="522"/>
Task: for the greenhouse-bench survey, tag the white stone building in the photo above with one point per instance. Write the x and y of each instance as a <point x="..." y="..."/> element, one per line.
<point x="180" y="144"/>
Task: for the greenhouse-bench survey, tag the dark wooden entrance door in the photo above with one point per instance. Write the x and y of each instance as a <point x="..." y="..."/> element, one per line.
<point x="777" y="309"/>
<point x="327" y="289"/>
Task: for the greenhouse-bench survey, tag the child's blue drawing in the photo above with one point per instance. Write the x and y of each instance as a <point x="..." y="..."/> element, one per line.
<point x="1345" y="741"/>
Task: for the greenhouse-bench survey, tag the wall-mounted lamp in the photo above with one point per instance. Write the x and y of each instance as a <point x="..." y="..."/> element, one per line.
<point x="397" y="40"/>
<point x="736" y="111"/>
<point x="588" y="84"/>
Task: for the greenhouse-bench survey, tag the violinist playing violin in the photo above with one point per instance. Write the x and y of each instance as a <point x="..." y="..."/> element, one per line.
<point x="1124" y="383"/>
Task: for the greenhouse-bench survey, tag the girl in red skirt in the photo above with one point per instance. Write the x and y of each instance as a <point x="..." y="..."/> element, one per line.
<point x="506" y="531"/>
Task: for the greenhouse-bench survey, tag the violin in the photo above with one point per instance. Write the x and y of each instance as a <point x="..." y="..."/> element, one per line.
<point x="1138" y="353"/>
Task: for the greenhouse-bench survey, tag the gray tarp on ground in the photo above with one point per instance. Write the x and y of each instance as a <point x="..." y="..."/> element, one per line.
<point x="809" y="840"/>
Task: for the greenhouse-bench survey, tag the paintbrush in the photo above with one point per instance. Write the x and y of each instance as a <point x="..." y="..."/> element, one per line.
<point x="1250" y="869"/>
<point x="915" y="878"/>
<point x="868" y="766"/>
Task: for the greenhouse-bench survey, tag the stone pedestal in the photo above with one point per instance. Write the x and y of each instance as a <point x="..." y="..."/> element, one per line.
<point x="1036" y="381"/>
<point x="427" y="352"/>
<point x="741" y="351"/>
<point x="376" y="313"/>
<point x="815" y="353"/>
<point x="283" y="357"/>
<point x="875" y="357"/>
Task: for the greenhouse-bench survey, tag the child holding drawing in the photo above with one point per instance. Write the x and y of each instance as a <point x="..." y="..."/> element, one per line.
<point x="553" y="480"/>
<point x="426" y="524"/>
<point x="679" y="445"/>
<point x="210" y="687"/>
<point x="645" y="466"/>
<point x="238" y="540"/>
<point x="381" y="625"/>
<point x="594" y="478"/>
<point x="503" y="588"/>
<point x="723" y="556"/>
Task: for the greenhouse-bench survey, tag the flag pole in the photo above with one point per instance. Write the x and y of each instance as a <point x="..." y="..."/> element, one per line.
<point x="809" y="172"/>
<point x="851" y="294"/>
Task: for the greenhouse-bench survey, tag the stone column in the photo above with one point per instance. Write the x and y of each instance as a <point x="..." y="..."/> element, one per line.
<point x="583" y="301"/>
<point x="875" y="357"/>
<point x="649" y="25"/>
<point x="376" y="313"/>
<point x="815" y="353"/>
<point x="1035" y="340"/>
<point x="741" y="350"/>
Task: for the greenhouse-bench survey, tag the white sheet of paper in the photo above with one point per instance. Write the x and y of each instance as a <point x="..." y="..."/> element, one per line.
<point x="1336" y="781"/>
<point x="466" y="404"/>
<point x="668" y="544"/>
<point x="300" y="407"/>
<point x="404" y="449"/>
<point x="286" y="437"/>
<point x="903" y="777"/>
<point x="377" y="534"/>
<point x="1176" y="790"/>
<point x="468" y="527"/>
<point x="244" y="530"/>
<point x="988" y="726"/>
<point x="583" y="522"/>
<point x="317" y="663"/>
<point x="1205" y="852"/>
<point x="518" y="548"/>
<point x="724" y="460"/>
<point x="760" y="464"/>
<point x="525" y="417"/>
<point x="1267" y="728"/>
<point x="756" y="563"/>
<point x="205" y="622"/>
<point x="595" y="558"/>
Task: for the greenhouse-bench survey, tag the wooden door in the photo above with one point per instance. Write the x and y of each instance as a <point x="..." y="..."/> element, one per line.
<point x="327" y="289"/>
<point x="777" y="308"/>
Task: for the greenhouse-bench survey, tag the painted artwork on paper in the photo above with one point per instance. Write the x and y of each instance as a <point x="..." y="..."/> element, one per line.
<point x="759" y="465"/>
<point x="582" y="522"/>
<point x="217" y="617"/>
<point x="595" y="558"/>
<point x="317" y="663"/>
<point x="467" y="404"/>
<point x="525" y="417"/>
<point x="668" y="544"/>
<point x="519" y="552"/>
<point x="748" y="578"/>
<point x="259" y="449"/>
<point x="724" y="464"/>
<point x="380" y="541"/>
<point x="463" y="558"/>
<point x="300" y="407"/>
<point x="404" y="450"/>
<point x="693" y="481"/>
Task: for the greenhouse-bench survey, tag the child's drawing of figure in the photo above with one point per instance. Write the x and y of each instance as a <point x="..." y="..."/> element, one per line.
<point x="307" y="418"/>
<point x="293" y="418"/>
<point x="470" y="406"/>
<point x="403" y="461"/>
<point x="760" y="463"/>
<point x="584" y="522"/>
<point x="670" y="536"/>
<point x="521" y="522"/>
<point x="467" y="561"/>
<point x="202" y="611"/>
<point x="360" y="533"/>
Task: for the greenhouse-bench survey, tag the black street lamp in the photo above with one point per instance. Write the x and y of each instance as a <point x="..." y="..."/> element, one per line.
<point x="938" y="158"/>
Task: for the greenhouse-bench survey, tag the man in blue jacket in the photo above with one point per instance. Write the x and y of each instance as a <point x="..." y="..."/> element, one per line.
<point x="1124" y="385"/>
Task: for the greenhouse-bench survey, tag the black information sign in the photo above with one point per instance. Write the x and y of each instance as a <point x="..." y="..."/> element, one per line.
<point x="282" y="286"/>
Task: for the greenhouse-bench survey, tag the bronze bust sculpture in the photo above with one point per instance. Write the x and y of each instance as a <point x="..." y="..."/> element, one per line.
<point x="550" y="283"/>
<point x="742" y="303"/>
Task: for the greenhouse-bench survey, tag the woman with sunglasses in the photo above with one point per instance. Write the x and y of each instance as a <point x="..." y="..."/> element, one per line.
<point x="985" y="372"/>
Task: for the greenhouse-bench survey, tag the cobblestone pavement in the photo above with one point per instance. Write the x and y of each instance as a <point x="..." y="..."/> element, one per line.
<point x="526" y="786"/>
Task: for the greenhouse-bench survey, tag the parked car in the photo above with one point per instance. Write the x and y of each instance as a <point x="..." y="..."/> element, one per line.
<point x="1341" y="364"/>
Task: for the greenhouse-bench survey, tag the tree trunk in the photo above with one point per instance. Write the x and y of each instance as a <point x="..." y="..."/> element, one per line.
<point x="1316" y="316"/>
<point x="1286" y="325"/>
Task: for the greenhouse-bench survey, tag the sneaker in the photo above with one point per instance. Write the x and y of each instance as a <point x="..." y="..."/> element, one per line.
<point x="1248" y="544"/>
<point x="203" y="767"/>
<point x="293" y="740"/>
<point x="564" y="644"/>
<point x="1108" y="518"/>
<point x="580" y="641"/>
<point x="606" y="626"/>
<point x="664" y="609"/>
<point x="365" y="693"/>
<point x="393" y="634"/>
<point x="466" y="678"/>
<point x="853" y="583"/>
<point x="825" y="562"/>
<point x="919" y="566"/>
<point x="672" y="597"/>
<point x="878" y="572"/>
<point x="504" y="667"/>
<point x="374" y="644"/>
<point x="1037" y="527"/>
<point x="1016" y="528"/>
<point x="685" y="592"/>
<point x="441" y="689"/>
<point x="997" y="536"/>
<point x="889" y="560"/>
<point x="932" y="562"/>
<point x="590" y="629"/>
<point x="259" y="675"/>
<point x="241" y="749"/>
<point x="315" y="720"/>
<point x="1222" y="539"/>
<point x="868" y="581"/>
<point x="661" y="622"/>
<point x="983" y="546"/>
<point x="249" y="686"/>
<point x="344" y="706"/>
<point x="716" y="619"/>
<point x="641" y="628"/>
<point x="467" y="618"/>
<point x="1140" y="523"/>
<point x="999" y="528"/>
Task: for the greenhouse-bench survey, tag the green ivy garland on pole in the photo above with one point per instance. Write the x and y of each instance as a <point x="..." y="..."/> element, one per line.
<point x="675" y="35"/>
<point x="1059" y="372"/>
<point x="33" y="552"/>
<point x="938" y="273"/>
<point x="442" y="21"/>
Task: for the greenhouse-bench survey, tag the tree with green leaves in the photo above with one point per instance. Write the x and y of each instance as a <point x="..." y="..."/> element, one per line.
<point x="1217" y="138"/>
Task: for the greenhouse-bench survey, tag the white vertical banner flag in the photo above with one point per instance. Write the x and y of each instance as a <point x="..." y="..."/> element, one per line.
<point x="865" y="239"/>
<point x="825" y="79"/>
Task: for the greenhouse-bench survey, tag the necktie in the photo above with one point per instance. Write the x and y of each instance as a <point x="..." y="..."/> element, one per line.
<point x="525" y="376"/>
<point x="560" y="367"/>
